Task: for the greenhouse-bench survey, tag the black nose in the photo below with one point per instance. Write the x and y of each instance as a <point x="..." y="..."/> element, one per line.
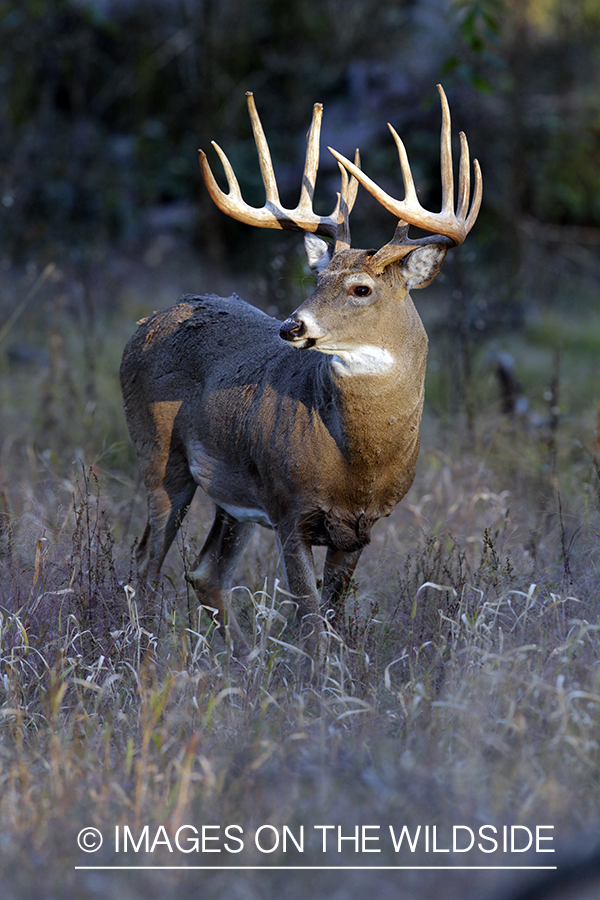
<point x="292" y="329"/>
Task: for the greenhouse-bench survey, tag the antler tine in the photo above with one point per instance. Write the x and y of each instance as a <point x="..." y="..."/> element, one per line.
<point x="447" y="224"/>
<point x="368" y="183"/>
<point x="264" y="155"/>
<point x="446" y="155"/>
<point x="353" y="185"/>
<point x="464" y="177"/>
<point x="273" y="214"/>
<point x="232" y="182"/>
<point x="346" y="200"/>
<point x="477" y="196"/>
<point x="226" y="202"/>
<point x="311" y="163"/>
<point x="410" y="193"/>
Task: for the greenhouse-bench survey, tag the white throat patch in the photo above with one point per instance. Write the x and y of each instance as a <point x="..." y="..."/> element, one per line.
<point x="361" y="360"/>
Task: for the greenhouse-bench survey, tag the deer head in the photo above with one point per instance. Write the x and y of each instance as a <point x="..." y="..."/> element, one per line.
<point x="360" y="280"/>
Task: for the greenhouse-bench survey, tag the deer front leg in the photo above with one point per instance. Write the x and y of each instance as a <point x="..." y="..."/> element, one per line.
<point x="296" y="553"/>
<point x="212" y="577"/>
<point x="338" y="570"/>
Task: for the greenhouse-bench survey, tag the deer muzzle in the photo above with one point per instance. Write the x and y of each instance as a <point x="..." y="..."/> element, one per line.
<point x="301" y="330"/>
<point x="293" y="329"/>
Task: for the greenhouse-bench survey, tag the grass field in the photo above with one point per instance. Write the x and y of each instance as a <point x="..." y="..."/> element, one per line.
<point x="463" y="690"/>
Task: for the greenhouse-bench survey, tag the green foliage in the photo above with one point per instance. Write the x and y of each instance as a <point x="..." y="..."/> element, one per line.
<point x="568" y="180"/>
<point x="480" y="26"/>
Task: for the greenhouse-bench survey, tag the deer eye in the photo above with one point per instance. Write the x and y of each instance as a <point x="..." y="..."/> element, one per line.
<point x="361" y="290"/>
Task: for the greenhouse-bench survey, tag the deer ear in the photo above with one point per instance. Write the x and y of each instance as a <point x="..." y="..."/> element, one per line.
<point x="318" y="252"/>
<point x="421" y="266"/>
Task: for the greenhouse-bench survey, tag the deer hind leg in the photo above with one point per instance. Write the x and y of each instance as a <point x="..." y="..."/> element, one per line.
<point x="339" y="568"/>
<point x="212" y="578"/>
<point x="169" y="498"/>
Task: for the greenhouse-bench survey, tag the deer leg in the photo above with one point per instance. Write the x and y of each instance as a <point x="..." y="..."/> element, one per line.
<point x="338" y="570"/>
<point x="212" y="578"/>
<point x="296" y="552"/>
<point x="168" y="502"/>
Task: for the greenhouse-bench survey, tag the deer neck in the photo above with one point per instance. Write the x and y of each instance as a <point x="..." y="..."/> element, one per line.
<point x="379" y="386"/>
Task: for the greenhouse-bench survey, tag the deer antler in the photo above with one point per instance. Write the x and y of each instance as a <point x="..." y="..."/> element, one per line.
<point x="273" y="214"/>
<point x="447" y="225"/>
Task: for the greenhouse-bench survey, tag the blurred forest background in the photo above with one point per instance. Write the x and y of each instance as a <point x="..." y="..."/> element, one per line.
<point x="105" y="102"/>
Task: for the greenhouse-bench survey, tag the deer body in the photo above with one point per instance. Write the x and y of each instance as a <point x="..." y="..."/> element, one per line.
<point x="310" y="427"/>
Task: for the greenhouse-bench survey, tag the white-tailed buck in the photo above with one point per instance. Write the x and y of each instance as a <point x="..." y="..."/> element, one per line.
<point x="310" y="426"/>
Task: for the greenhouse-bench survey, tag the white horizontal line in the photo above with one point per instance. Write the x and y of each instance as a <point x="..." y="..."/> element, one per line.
<point x="321" y="868"/>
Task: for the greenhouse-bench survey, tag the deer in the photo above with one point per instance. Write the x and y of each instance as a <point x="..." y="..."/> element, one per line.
<point x="309" y="426"/>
